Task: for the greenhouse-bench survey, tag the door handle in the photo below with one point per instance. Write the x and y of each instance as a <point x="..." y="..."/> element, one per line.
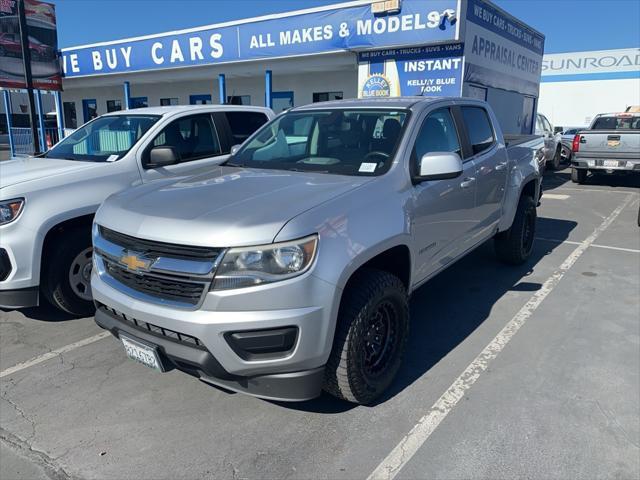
<point x="467" y="182"/>
<point x="501" y="166"/>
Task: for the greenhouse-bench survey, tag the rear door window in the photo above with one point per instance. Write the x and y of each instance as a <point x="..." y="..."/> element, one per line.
<point x="479" y="128"/>
<point x="243" y="124"/>
<point x="192" y="137"/>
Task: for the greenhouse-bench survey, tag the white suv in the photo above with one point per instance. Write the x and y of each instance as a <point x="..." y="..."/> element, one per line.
<point x="47" y="203"/>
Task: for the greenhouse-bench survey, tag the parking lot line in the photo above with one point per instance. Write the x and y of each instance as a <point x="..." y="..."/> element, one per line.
<point x="594" y="245"/>
<point x="420" y="433"/>
<point x="555" y="196"/>
<point x="53" y="353"/>
<point x="575" y="189"/>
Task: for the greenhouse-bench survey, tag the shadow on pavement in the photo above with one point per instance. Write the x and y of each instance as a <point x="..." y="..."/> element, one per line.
<point x="448" y="308"/>
<point x="561" y="178"/>
<point x="44" y="313"/>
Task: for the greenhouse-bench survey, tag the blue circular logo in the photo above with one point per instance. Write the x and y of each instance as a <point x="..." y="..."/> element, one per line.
<point x="376" y="86"/>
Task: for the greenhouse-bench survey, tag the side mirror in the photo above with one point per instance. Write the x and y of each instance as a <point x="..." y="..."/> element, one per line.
<point x="162" y="157"/>
<point x="439" y="166"/>
<point x="234" y="149"/>
<point x="558" y="130"/>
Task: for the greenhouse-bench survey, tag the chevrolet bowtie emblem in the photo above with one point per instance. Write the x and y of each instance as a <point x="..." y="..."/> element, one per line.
<point x="613" y="143"/>
<point x="135" y="262"/>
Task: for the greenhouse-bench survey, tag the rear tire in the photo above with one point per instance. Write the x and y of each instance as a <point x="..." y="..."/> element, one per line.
<point x="66" y="273"/>
<point x="578" y="175"/>
<point x="557" y="159"/>
<point x="370" y="338"/>
<point x="514" y="246"/>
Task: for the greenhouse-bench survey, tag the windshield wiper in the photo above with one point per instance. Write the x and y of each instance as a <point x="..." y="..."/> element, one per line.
<point x="306" y="170"/>
<point x="231" y="164"/>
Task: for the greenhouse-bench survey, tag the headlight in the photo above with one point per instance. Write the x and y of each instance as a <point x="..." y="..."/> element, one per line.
<point x="250" y="266"/>
<point x="10" y="210"/>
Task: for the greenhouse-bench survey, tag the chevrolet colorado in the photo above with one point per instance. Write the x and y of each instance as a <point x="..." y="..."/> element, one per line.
<point x="288" y="269"/>
<point x="611" y="144"/>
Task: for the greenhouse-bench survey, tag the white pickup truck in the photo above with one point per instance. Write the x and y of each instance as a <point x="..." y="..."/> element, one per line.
<point x="47" y="203"/>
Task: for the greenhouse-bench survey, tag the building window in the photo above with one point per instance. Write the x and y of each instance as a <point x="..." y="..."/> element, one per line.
<point x="165" y="102"/>
<point x="89" y="109"/>
<point x="70" y="118"/>
<point x="139" y="102"/>
<point x="200" y="99"/>
<point x="114" y="105"/>
<point x="239" y="99"/>
<point x="326" y="96"/>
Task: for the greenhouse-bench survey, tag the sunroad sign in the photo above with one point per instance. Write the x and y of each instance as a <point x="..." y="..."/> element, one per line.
<point x="346" y="28"/>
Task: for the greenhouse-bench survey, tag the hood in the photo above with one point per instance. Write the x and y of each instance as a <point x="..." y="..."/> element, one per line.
<point x="226" y="207"/>
<point x="20" y="170"/>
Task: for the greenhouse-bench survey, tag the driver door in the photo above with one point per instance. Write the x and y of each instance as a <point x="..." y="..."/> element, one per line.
<point x="443" y="210"/>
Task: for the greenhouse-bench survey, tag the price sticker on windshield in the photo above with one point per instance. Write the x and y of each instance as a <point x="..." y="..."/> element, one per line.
<point x="367" y="167"/>
<point x="112" y="158"/>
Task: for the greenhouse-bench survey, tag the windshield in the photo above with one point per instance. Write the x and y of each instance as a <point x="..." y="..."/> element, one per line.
<point x="621" y="122"/>
<point x="347" y="142"/>
<point x="104" y="139"/>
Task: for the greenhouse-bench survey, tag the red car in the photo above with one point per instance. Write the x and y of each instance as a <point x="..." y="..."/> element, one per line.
<point x="10" y="47"/>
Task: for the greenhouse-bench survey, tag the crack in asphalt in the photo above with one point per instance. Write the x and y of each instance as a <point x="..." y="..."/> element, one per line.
<point x="38" y="457"/>
<point x="23" y="415"/>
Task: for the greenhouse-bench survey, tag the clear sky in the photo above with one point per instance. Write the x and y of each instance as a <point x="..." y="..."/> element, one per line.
<point x="569" y="25"/>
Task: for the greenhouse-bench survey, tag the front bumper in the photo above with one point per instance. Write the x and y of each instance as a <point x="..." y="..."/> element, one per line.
<point x="18" y="275"/>
<point x="20" y="298"/>
<point x="304" y="303"/>
<point x="292" y="386"/>
<point x="613" y="165"/>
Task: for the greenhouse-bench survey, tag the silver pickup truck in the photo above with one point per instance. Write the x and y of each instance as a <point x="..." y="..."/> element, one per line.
<point x="288" y="269"/>
<point x="47" y="203"/>
<point x="611" y="144"/>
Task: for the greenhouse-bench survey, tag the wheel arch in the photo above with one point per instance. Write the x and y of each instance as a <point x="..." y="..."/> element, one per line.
<point x="530" y="186"/>
<point x="56" y="229"/>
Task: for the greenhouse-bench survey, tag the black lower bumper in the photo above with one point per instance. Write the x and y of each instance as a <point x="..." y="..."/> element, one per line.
<point x="196" y="360"/>
<point x="21" y="298"/>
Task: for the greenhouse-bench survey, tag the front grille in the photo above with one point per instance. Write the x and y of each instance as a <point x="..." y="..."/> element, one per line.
<point x="165" y="287"/>
<point x="154" y="329"/>
<point x="159" y="249"/>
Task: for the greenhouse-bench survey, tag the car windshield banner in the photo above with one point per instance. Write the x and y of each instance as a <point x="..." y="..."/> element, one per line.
<point x="429" y="70"/>
<point x="43" y="45"/>
<point x="305" y="33"/>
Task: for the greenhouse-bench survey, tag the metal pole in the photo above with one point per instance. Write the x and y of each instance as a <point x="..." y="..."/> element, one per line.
<point x="26" y="60"/>
<point x="268" y="101"/>
<point x="43" y="135"/>
<point x="7" y="109"/>
<point x="127" y="96"/>
<point x="222" y="86"/>
<point x="59" y="115"/>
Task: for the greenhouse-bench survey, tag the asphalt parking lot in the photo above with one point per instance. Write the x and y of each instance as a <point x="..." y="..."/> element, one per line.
<point x="529" y="372"/>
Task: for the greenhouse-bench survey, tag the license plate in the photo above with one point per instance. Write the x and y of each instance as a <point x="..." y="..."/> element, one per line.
<point x="610" y="163"/>
<point x="141" y="353"/>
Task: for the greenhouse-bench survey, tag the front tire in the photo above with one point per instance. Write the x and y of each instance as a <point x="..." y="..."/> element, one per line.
<point x="66" y="279"/>
<point x="578" y="175"/>
<point x="370" y="337"/>
<point x="514" y="246"/>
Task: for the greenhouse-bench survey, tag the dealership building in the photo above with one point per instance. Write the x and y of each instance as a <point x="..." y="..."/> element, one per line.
<point x="353" y="49"/>
<point x="348" y="50"/>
